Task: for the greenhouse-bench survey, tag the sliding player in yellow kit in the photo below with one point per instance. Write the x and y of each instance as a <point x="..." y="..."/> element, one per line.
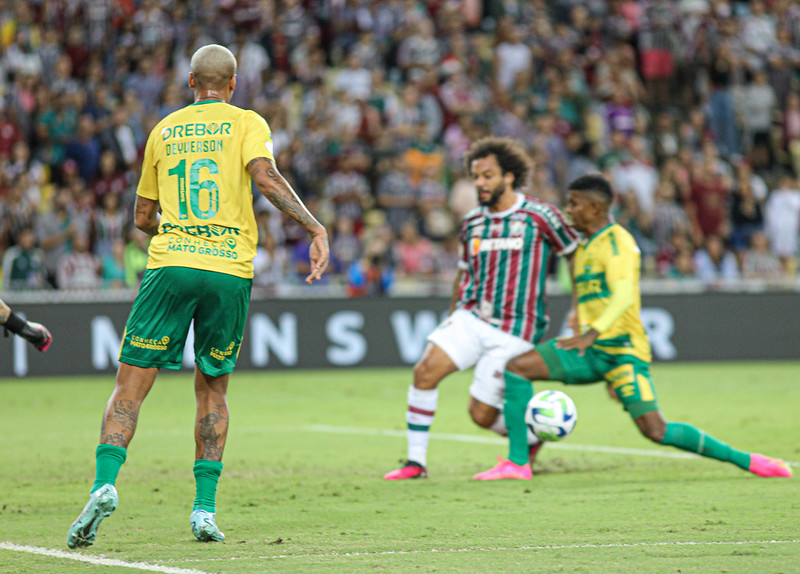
<point x="198" y="166"/>
<point x="610" y="343"/>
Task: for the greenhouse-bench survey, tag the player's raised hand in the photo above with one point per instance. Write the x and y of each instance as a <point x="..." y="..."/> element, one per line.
<point x="319" y="254"/>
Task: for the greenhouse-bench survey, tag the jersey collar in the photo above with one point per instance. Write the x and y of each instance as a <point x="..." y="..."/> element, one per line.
<point x="512" y="209"/>
<point x="598" y="234"/>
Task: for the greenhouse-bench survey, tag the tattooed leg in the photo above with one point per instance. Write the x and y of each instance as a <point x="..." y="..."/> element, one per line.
<point x="122" y="411"/>
<point x="211" y="424"/>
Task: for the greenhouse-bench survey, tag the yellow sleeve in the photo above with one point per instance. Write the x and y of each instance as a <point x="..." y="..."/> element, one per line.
<point x="148" y="182"/>
<point x="620" y="301"/>
<point x="258" y="140"/>
<point x="623" y="257"/>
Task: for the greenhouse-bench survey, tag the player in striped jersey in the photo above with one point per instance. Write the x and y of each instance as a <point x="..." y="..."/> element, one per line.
<point x="610" y="343"/>
<point x="498" y="307"/>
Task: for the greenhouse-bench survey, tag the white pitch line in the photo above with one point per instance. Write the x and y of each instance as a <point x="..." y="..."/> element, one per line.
<point x="587" y="546"/>
<point x="98" y="560"/>
<point x="662" y="453"/>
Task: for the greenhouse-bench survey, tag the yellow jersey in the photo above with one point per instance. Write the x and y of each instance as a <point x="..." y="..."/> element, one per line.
<point x="609" y="255"/>
<point x="195" y="166"/>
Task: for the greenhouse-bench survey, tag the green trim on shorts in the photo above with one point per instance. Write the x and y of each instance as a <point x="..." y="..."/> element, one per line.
<point x="169" y="299"/>
<point x="629" y="374"/>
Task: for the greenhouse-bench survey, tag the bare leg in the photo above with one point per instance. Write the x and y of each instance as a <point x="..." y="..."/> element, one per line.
<point x="482" y="414"/>
<point x="122" y="410"/>
<point x="434" y="366"/>
<point x="211" y="423"/>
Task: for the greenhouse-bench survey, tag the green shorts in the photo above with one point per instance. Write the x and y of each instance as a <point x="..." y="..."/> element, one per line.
<point x="168" y="300"/>
<point x="629" y="376"/>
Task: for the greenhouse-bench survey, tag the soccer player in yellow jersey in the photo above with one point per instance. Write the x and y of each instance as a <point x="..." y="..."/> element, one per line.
<point x="610" y="343"/>
<point x="197" y="170"/>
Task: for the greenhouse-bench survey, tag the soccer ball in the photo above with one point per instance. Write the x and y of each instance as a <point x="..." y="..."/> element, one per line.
<point x="551" y="415"/>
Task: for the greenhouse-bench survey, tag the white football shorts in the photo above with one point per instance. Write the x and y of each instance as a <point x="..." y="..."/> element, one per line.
<point x="470" y="341"/>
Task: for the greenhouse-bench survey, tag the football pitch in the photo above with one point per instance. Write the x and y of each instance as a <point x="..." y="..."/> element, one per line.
<point x="302" y="492"/>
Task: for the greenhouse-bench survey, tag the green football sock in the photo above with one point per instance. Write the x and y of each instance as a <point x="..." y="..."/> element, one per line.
<point x="109" y="459"/>
<point x="687" y="437"/>
<point x="206" y="477"/>
<point x="518" y="393"/>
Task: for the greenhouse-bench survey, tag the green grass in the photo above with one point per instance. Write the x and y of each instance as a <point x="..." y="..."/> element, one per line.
<point x="295" y="499"/>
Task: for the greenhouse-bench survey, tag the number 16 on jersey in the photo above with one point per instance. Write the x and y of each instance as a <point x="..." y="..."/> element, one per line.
<point x="196" y="187"/>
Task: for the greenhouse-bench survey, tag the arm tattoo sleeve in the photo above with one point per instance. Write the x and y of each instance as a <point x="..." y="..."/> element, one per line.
<point x="276" y="189"/>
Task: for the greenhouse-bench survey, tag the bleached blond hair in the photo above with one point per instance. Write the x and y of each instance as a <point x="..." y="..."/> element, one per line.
<point x="213" y="66"/>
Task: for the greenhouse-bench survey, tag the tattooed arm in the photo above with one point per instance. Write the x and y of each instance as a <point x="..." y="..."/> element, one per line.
<point x="146" y="215"/>
<point x="271" y="184"/>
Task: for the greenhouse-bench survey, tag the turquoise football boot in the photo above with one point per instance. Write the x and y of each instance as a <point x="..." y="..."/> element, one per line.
<point x="102" y="503"/>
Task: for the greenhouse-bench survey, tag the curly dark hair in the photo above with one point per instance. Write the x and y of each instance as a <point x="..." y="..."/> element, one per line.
<point x="509" y="154"/>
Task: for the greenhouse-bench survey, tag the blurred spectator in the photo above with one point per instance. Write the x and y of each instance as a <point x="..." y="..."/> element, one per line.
<point x="747" y="217"/>
<point x="23" y="266"/>
<point x="84" y="149"/>
<point x="79" y="269"/>
<point x="683" y="265"/>
<point x="17" y="211"/>
<point x="345" y="246"/>
<point x="668" y="217"/>
<point x="758" y="262"/>
<point x="708" y="202"/>
<point x="637" y="175"/>
<point x="714" y="262"/>
<point x="782" y="221"/>
<point x="271" y="261"/>
<point x="112" y="266"/>
<point x="436" y="221"/>
<point x="395" y="194"/>
<point x="759" y="104"/>
<point x="512" y="55"/>
<point x="55" y="230"/>
<point x="109" y="180"/>
<point x="414" y="253"/>
<point x="108" y="225"/>
<point x="135" y="256"/>
<point x="372" y="274"/>
<point x="723" y="113"/>
<point x="348" y="190"/>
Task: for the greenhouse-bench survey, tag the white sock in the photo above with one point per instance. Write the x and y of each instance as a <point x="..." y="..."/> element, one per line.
<point x="421" y="410"/>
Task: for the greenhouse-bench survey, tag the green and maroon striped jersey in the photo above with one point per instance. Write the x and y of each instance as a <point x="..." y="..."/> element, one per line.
<point x="504" y="257"/>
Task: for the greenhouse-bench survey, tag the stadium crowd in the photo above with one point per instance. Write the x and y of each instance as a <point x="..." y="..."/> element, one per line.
<point x="691" y="107"/>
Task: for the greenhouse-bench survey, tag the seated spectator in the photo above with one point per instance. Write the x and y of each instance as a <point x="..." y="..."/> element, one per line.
<point x="683" y="266"/>
<point x="109" y="179"/>
<point x="437" y="222"/>
<point x="79" y="269"/>
<point x="135" y="256"/>
<point x="372" y="274"/>
<point x="112" y="265"/>
<point x="23" y="264"/>
<point x="758" y="262"/>
<point x="782" y="221"/>
<point x="395" y="194"/>
<point x="108" y="225"/>
<point x="414" y="253"/>
<point x="270" y="262"/>
<point x="714" y="262"/>
<point x="348" y="190"/>
<point x="345" y="246"/>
